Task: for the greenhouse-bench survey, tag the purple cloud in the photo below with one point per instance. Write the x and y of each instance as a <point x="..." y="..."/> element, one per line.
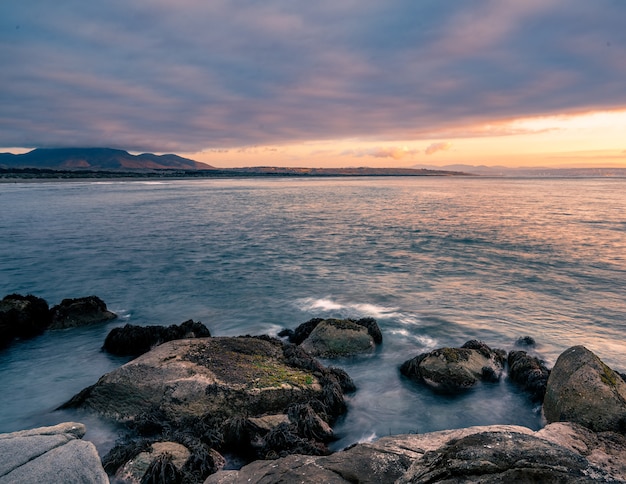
<point x="192" y="75"/>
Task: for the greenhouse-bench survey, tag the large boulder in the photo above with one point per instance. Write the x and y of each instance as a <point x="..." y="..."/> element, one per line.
<point x="132" y="340"/>
<point x="72" y="313"/>
<point x="248" y="397"/>
<point x="582" y="389"/>
<point x="453" y="369"/>
<point x="529" y="372"/>
<point x="331" y="338"/>
<point x="22" y="317"/>
<point x="50" y="454"/>
<point x="499" y="453"/>
<point x="226" y="376"/>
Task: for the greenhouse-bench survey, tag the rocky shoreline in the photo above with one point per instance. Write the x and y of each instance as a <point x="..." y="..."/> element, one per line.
<point x="194" y="405"/>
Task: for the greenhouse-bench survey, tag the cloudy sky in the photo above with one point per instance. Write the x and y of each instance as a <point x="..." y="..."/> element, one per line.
<point x="323" y="83"/>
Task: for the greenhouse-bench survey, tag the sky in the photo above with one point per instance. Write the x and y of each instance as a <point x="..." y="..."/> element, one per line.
<point x="346" y="83"/>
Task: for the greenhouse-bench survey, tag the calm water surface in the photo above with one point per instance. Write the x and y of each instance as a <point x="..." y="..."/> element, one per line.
<point x="436" y="261"/>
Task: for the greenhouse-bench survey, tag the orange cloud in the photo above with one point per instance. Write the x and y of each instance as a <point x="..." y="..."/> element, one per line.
<point x="441" y="146"/>
<point x="394" y="152"/>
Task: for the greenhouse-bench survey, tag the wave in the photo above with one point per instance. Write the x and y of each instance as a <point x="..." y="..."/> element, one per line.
<point x="423" y="341"/>
<point x="355" y="310"/>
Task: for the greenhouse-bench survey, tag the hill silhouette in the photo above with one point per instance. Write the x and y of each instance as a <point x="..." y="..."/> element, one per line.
<point x="97" y="159"/>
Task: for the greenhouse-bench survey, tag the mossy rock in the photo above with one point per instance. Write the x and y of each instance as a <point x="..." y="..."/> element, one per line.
<point x="333" y="338"/>
<point x="584" y="390"/>
<point x="452" y="369"/>
<point x="221" y="376"/>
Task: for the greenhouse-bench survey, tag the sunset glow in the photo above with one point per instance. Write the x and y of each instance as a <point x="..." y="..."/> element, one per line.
<point x="322" y="84"/>
<point x="590" y="139"/>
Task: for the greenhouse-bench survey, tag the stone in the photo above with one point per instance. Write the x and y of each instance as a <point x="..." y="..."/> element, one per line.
<point x="454" y="369"/>
<point x="22" y="317"/>
<point x="269" y="422"/>
<point x="333" y="338"/>
<point x="606" y="450"/>
<point x="219" y="376"/>
<point x="246" y="398"/>
<point x="529" y="372"/>
<point x="303" y="331"/>
<point x="583" y="390"/>
<point x="132" y="340"/>
<point x="525" y="341"/>
<point x="50" y="454"/>
<point x="135" y="469"/>
<point x="82" y="311"/>
<point x="490" y="457"/>
<point x="490" y="454"/>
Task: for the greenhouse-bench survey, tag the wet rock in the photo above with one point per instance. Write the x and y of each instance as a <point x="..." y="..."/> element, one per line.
<point x="253" y="397"/>
<point x="72" y="313"/>
<point x="583" y="390"/>
<point x="490" y="457"/>
<point x="22" y="317"/>
<point x="132" y="340"/>
<point x="499" y="453"/>
<point x="525" y="341"/>
<point x="453" y="369"/>
<point x="333" y="338"/>
<point x="50" y="454"/>
<point x="302" y="332"/>
<point x="226" y="376"/>
<point x="164" y="459"/>
<point x="529" y="372"/>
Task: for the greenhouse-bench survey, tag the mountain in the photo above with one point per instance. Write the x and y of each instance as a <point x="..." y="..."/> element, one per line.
<point x="97" y="159"/>
<point x="530" y="171"/>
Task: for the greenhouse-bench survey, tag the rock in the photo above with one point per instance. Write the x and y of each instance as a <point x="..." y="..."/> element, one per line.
<point x="525" y="341"/>
<point x="135" y="469"/>
<point x="583" y="390"/>
<point x="303" y="331"/>
<point x="528" y="372"/>
<point x="496" y="457"/>
<point x="338" y="337"/>
<point x="252" y="397"/>
<point x="269" y="422"/>
<point x="606" y="450"/>
<point x="72" y="313"/>
<point x="453" y="369"/>
<point x="50" y="454"/>
<point x="499" y="453"/>
<point x="225" y="376"/>
<point x="132" y="340"/>
<point x="372" y="328"/>
<point x="22" y="317"/>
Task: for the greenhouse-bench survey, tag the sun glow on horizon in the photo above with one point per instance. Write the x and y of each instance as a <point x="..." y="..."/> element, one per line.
<point x="592" y="139"/>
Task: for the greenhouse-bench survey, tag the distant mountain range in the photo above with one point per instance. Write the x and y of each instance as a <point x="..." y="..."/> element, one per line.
<point x="97" y="159"/>
<point x="484" y="170"/>
<point x="82" y="162"/>
<point x="79" y="162"/>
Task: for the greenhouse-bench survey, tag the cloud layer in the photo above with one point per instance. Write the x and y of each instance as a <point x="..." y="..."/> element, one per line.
<point x="191" y="75"/>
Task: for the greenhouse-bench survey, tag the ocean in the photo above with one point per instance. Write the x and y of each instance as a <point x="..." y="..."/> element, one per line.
<point x="436" y="260"/>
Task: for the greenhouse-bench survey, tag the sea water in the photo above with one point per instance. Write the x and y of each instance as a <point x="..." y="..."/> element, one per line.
<point x="436" y="260"/>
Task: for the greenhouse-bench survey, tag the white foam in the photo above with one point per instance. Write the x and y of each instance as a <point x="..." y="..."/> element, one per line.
<point x="310" y="304"/>
<point x="368" y="438"/>
<point x="424" y="341"/>
<point x="337" y="309"/>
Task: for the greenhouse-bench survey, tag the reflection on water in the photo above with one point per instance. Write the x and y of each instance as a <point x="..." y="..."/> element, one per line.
<point x="437" y="261"/>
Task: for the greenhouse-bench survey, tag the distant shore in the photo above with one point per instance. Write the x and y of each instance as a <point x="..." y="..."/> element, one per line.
<point x="14" y="174"/>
